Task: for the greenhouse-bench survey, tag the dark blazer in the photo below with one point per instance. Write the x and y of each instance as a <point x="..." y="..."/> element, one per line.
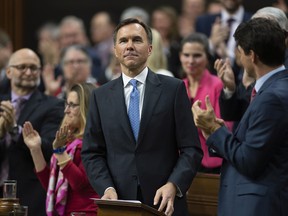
<point x="254" y="179"/>
<point x="167" y="149"/>
<point x="45" y="113"/>
<point x="204" y="23"/>
<point x="232" y="109"/>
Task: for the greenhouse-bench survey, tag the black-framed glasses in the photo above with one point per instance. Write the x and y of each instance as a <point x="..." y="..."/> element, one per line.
<point x="71" y="105"/>
<point x="23" y="68"/>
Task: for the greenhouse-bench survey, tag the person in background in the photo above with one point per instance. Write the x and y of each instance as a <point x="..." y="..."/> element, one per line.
<point x="6" y="50"/>
<point x="142" y="144"/>
<point x="102" y="27"/>
<point x="66" y="183"/>
<point x="219" y="28"/>
<point x="157" y="61"/>
<point x="254" y="176"/>
<point x="195" y="58"/>
<point x="137" y="13"/>
<point x="76" y="65"/>
<point x="164" y="20"/>
<point x="26" y="103"/>
<point x="234" y="98"/>
<point x="48" y="43"/>
<point x="190" y="10"/>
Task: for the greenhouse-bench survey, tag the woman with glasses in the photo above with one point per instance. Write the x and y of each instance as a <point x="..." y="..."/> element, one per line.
<point x="68" y="189"/>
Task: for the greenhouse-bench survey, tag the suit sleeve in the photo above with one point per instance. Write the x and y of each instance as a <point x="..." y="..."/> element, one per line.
<point x="258" y="135"/>
<point x="50" y="125"/>
<point x="190" y="152"/>
<point x="94" y="150"/>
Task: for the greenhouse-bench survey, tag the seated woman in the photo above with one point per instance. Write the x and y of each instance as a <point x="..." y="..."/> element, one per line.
<point x="68" y="188"/>
<point x="195" y="60"/>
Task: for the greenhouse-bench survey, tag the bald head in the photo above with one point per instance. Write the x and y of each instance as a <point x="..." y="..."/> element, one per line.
<point x="24" y="71"/>
<point x="24" y="56"/>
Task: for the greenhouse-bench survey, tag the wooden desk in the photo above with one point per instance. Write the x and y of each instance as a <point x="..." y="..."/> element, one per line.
<point x="202" y="196"/>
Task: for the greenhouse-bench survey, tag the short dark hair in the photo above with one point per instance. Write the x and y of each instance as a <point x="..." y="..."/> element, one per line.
<point x="131" y="21"/>
<point x="265" y="37"/>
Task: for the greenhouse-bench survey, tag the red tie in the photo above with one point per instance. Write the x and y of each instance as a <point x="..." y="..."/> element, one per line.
<point x="253" y="94"/>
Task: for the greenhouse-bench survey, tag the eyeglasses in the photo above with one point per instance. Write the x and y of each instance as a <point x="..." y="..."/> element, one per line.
<point x="71" y="105"/>
<point x="76" y="61"/>
<point x="23" y="68"/>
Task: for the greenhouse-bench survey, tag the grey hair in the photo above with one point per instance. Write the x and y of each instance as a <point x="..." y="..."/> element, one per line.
<point x="135" y="12"/>
<point x="273" y="13"/>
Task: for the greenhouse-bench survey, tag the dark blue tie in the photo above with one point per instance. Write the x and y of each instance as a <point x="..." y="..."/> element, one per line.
<point x="133" y="110"/>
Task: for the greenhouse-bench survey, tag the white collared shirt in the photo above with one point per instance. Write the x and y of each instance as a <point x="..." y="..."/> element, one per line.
<point x="264" y="78"/>
<point x="238" y="17"/>
<point x="141" y="78"/>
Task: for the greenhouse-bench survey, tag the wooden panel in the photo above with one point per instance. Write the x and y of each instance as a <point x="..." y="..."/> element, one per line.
<point x="202" y="196"/>
<point x="11" y="20"/>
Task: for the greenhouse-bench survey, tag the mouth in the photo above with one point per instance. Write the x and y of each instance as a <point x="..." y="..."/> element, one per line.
<point x="127" y="55"/>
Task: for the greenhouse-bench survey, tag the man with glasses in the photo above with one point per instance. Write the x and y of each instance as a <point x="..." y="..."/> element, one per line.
<point x="26" y="103"/>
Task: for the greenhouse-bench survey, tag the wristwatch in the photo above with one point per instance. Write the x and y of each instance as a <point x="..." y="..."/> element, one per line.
<point x="14" y="130"/>
<point x="59" y="150"/>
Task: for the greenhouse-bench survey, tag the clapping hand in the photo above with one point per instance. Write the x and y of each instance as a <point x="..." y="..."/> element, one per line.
<point x="225" y="73"/>
<point x="62" y="137"/>
<point x="31" y="137"/>
<point x="206" y="120"/>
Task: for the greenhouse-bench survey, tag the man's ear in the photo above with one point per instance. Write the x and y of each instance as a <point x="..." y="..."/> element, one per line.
<point x="253" y="56"/>
<point x="9" y="73"/>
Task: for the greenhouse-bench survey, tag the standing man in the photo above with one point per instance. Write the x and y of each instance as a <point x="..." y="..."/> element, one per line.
<point x="254" y="178"/>
<point x="26" y="103"/>
<point x="155" y="157"/>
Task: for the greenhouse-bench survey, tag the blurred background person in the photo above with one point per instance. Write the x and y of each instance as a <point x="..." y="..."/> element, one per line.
<point x="157" y="61"/>
<point x="190" y="10"/>
<point x="164" y="20"/>
<point x="48" y="43"/>
<point x="195" y="56"/>
<point x="213" y="7"/>
<point x="26" y="103"/>
<point x="137" y="13"/>
<point x="66" y="183"/>
<point x="6" y="49"/>
<point x="76" y="64"/>
<point x="102" y="27"/>
<point x="220" y="29"/>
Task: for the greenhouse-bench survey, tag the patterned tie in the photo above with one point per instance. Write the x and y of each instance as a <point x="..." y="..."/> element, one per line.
<point x="19" y="106"/>
<point x="253" y="94"/>
<point x="133" y="110"/>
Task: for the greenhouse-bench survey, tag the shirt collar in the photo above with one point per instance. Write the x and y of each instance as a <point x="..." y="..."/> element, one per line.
<point x="14" y="96"/>
<point x="264" y="78"/>
<point x="141" y="77"/>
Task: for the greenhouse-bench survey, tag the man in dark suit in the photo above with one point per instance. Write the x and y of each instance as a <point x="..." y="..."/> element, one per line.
<point x="254" y="178"/>
<point x="156" y="160"/>
<point x="220" y="29"/>
<point x="45" y="113"/>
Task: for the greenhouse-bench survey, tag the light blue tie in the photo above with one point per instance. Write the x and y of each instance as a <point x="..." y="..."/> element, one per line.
<point x="133" y="110"/>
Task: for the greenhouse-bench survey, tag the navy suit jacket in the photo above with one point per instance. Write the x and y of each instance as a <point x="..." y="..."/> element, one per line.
<point x="254" y="175"/>
<point x="45" y="113"/>
<point x="167" y="149"/>
<point x="204" y="23"/>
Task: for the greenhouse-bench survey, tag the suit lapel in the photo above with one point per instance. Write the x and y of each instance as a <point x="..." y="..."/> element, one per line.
<point x="30" y="107"/>
<point x="118" y="102"/>
<point x="152" y="93"/>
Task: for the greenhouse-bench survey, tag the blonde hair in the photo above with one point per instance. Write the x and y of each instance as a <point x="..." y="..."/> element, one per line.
<point x="157" y="60"/>
<point x="83" y="92"/>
